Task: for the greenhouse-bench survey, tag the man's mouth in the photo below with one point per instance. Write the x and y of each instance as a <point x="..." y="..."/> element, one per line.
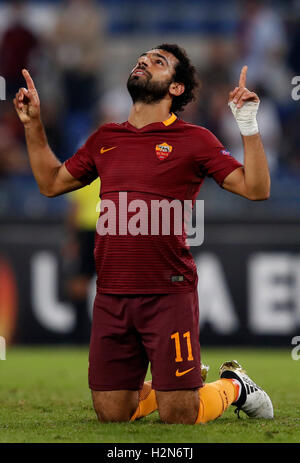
<point x="139" y="72"/>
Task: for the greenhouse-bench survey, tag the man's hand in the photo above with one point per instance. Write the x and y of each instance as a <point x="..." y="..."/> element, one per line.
<point x="51" y="175"/>
<point x="241" y="94"/>
<point x="27" y="102"/>
<point x="244" y="105"/>
<point x="253" y="180"/>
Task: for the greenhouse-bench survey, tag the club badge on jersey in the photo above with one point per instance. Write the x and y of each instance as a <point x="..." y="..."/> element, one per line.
<point x="163" y="150"/>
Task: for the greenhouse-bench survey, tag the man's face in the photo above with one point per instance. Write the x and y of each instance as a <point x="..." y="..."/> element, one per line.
<point x="150" y="79"/>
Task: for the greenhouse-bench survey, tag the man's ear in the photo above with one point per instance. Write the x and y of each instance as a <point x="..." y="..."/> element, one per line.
<point x="176" y="89"/>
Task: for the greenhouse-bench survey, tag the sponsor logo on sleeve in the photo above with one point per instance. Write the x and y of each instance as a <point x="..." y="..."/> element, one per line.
<point x="225" y="152"/>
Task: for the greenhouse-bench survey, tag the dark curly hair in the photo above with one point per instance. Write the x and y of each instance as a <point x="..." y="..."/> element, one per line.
<point x="185" y="73"/>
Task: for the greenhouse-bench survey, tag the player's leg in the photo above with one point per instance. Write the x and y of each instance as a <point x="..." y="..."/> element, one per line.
<point x="117" y="362"/>
<point x="215" y="398"/>
<point x="233" y="388"/>
<point x="169" y="327"/>
<point x="115" y="405"/>
<point x="197" y="406"/>
<point x="170" y="332"/>
<point x="124" y="405"/>
<point x="178" y="406"/>
<point x="146" y="402"/>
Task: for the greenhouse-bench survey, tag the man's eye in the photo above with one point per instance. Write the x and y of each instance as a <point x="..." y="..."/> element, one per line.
<point x="159" y="61"/>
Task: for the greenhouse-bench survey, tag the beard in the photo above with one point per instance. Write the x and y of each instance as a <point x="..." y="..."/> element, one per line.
<point x="144" y="91"/>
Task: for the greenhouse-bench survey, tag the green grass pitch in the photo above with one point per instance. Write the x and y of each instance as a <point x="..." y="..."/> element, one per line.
<point x="44" y="397"/>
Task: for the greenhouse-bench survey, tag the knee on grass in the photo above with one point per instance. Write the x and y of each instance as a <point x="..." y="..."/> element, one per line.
<point x="114" y="406"/>
<point x="105" y="416"/>
<point x="178" y="407"/>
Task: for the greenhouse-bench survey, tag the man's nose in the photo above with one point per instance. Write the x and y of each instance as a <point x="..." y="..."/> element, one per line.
<point x="143" y="61"/>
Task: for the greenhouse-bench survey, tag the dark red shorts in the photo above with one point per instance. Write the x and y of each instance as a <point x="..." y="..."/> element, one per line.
<point x="128" y="331"/>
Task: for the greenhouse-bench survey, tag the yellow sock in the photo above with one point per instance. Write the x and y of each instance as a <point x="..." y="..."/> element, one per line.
<point x="215" y="398"/>
<point x="147" y="401"/>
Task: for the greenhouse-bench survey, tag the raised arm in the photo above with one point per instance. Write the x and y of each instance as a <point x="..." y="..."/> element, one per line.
<point x="51" y="175"/>
<point x="252" y="181"/>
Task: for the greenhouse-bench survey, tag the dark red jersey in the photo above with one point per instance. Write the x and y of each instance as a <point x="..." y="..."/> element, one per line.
<point x="161" y="161"/>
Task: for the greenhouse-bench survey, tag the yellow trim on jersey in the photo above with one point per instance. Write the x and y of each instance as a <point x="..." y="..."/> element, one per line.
<point x="170" y="120"/>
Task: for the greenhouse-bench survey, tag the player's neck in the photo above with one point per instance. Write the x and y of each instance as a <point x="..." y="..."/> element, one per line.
<point x="142" y="114"/>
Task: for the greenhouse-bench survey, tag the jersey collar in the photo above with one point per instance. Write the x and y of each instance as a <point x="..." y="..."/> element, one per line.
<point x="171" y="119"/>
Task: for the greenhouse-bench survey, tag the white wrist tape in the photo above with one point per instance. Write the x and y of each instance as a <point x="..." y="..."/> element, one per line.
<point x="246" y="117"/>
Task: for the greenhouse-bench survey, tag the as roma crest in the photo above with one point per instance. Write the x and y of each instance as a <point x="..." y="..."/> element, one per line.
<point x="163" y="150"/>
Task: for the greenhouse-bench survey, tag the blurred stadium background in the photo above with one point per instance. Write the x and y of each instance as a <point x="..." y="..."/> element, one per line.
<point x="80" y="53"/>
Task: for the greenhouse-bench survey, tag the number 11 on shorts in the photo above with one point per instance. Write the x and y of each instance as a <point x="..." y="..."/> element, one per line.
<point x="176" y="338"/>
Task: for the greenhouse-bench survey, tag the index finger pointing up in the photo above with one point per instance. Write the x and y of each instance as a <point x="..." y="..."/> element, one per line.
<point x="242" y="81"/>
<point x="29" y="81"/>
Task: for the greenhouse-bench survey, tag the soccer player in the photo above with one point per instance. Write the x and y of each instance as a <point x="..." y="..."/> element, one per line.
<point x="146" y="307"/>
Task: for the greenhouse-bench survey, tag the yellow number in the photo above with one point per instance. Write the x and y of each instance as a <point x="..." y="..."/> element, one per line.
<point x="186" y="335"/>
<point x="178" y="357"/>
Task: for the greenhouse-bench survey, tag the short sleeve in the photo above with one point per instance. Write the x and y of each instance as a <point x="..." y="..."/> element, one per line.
<point x="82" y="165"/>
<point x="213" y="159"/>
